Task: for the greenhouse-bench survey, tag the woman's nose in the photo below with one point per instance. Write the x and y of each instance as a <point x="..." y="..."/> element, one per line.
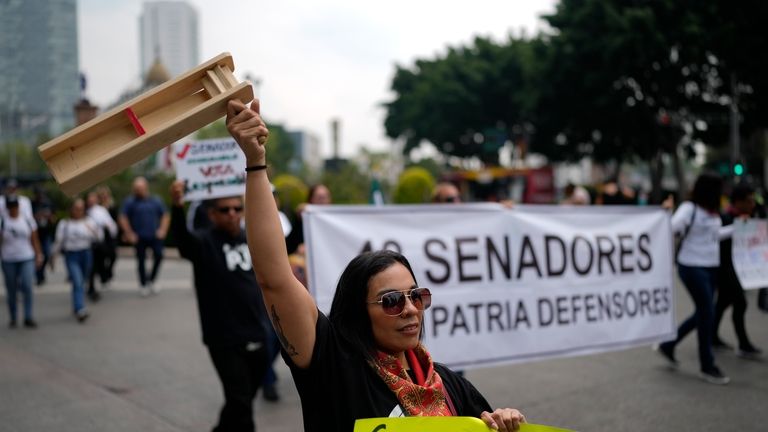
<point x="410" y="308"/>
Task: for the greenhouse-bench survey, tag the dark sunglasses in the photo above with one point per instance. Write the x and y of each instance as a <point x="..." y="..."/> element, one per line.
<point x="225" y="210"/>
<point x="393" y="302"/>
<point x="450" y="199"/>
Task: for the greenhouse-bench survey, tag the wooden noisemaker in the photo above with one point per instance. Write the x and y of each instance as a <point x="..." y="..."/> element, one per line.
<point x="134" y="130"/>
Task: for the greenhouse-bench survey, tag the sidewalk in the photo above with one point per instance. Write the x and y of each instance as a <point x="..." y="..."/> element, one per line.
<point x="138" y="364"/>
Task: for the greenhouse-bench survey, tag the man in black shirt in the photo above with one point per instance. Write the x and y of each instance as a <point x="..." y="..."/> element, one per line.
<point x="230" y="303"/>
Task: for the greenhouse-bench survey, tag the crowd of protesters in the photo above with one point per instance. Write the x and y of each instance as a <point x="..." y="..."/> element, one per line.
<point x="235" y="325"/>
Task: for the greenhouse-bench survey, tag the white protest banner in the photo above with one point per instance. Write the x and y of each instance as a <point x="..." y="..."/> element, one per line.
<point x="513" y="285"/>
<point x="210" y="168"/>
<point x="750" y="252"/>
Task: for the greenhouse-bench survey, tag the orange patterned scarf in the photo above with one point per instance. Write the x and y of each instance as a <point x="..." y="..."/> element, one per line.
<point x="427" y="399"/>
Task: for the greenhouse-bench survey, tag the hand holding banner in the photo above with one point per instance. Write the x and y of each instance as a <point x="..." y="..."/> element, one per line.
<point x="437" y="424"/>
<point x="511" y="286"/>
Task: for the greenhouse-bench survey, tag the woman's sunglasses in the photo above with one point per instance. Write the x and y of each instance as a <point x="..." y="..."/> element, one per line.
<point x="393" y="302"/>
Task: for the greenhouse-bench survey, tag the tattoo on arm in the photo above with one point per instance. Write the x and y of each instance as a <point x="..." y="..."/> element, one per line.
<point x="289" y="348"/>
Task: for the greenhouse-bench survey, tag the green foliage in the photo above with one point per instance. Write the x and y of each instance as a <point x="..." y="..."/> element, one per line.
<point x="217" y="129"/>
<point x="414" y="186"/>
<point x="28" y="161"/>
<point x="603" y="96"/>
<point x="435" y="169"/>
<point x="291" y="191"/>
<point x="280" y="148"/>
<point x="466" y="103"/>
<point x="348" y="185"/>
<point x="611" y="80"/>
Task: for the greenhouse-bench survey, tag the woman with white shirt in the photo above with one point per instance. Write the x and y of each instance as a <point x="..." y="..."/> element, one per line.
<point x="698" y="259"/>
<point x="74" y="237"/>
<point x="20" y="253"/>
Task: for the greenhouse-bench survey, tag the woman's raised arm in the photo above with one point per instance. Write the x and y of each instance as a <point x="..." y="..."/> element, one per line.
<point x="291" y="309"/>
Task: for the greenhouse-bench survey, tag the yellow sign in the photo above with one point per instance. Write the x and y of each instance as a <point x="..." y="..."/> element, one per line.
<point x="437" y="424"/>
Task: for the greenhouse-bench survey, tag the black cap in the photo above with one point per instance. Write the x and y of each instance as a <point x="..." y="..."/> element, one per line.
<point x="11" y="201"/>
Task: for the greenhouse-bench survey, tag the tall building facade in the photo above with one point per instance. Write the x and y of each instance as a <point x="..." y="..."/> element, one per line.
<point x="168" y="30"/>
<point x="39" y="80"/>
<point x="306" y="150"/>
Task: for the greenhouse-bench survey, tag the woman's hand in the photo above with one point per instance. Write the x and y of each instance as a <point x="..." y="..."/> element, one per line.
<point x="248" y="129"/>
<point x="503" y="419"/>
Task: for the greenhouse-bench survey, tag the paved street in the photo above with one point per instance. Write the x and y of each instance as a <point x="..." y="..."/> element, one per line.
<point x="139" y="365"/>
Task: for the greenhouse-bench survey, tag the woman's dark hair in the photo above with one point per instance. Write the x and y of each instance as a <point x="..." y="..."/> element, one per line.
<point x="312" y="190"/>
<point x="741" y="191"/>
<point x="349" y="311"/>
<point x="707" y="190"/>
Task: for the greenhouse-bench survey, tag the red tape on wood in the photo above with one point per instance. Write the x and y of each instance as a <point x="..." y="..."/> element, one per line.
<point x="135" y="121"/>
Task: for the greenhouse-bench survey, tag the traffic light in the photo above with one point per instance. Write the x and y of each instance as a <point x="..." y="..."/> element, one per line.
<point x="738" y="169"/>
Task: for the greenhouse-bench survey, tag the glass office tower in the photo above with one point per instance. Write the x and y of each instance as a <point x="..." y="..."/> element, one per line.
<point x="39" y="79"/>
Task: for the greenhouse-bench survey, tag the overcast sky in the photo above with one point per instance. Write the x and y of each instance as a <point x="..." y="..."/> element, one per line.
<point x="316" y="59"/>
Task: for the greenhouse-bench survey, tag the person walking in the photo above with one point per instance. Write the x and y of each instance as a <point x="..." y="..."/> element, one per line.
<point x="698" y="259"/>
<point x="144" y="221"/>
<point x="446" y="193"/>
<point x="231" y="307"/>
<point x="365" y="358"/>
<point x="74" y="237"/>
<point x="101" y="250"/>
<point x="318" y="194"/>
<point x="42" y="209"/>
<point x="20" y="253"/>
<point x="24" y="203"/>
<point x="104" y="198"/>
<point x="729" y="290"/>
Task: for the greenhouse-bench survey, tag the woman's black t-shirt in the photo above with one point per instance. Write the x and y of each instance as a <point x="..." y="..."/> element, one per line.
<point x="339" y="386"/>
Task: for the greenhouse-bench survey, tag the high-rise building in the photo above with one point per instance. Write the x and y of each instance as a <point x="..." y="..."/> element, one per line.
<point x="168" y="31"/>
<point x="39" y="80"/>
<point x="306" y="150"/>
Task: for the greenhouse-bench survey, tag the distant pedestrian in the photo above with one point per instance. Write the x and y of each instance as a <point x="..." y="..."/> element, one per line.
<point x="144" y="221"/>
<point x="46" y="224"/>
<point x="613" y="193"/>
<point x="729" y="290"/>
<point x="103" y="250"/>
<point x="698" y="222"/>
<point x="104" y="195"/>
<point x="25" y="205"/>
<point x="20" y="253"/>
<point x="446" y="193"/>
<point x="319" y="194"/>
<point x="74" y="237"/>
<point x="232" y="313"/>
<point x="575" y="195"/>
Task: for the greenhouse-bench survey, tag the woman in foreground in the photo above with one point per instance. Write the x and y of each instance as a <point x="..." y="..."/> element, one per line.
<point x="365" y="359"/>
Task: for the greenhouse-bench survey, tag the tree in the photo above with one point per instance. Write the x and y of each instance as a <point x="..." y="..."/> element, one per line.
<point x="465" y="103"/>
<point x="26" y="158"/>
<point x="621" y="80"/>
<point x="348" y="186"/>
<point x="414" y="186"/>
<point x="640" y="79"/>
<point x="291" y="191"/>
